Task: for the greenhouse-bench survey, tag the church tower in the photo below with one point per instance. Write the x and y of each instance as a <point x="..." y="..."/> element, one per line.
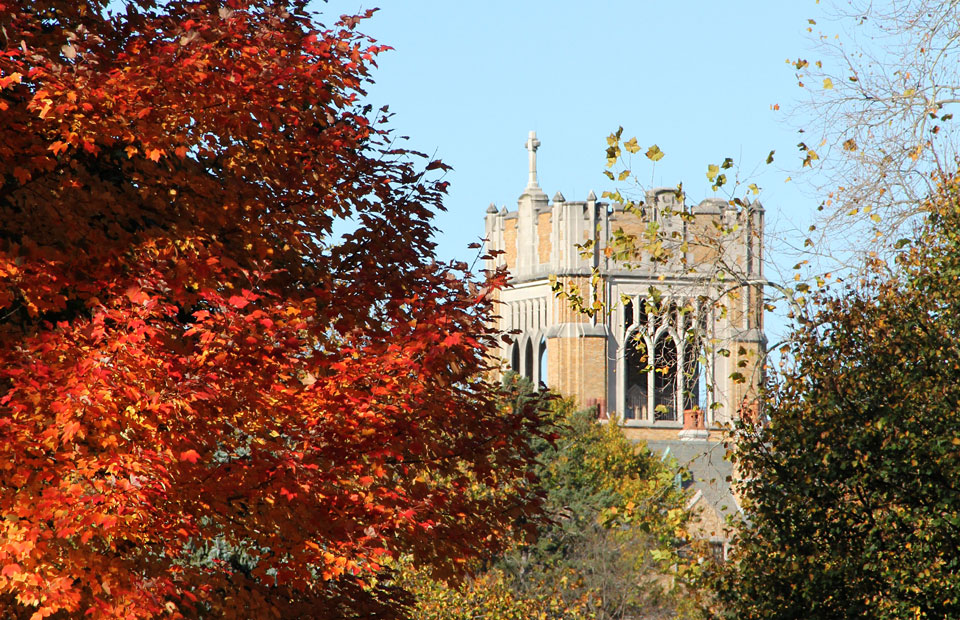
<point x="673" y="353"/>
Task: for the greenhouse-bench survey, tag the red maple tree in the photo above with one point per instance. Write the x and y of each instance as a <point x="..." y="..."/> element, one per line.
<point x="210" y="405"/>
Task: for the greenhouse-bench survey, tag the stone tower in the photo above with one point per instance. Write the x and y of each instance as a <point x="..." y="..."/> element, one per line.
<point x="699" y="384"/>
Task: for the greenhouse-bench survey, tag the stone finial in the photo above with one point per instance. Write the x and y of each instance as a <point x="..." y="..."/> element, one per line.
<point x="492" y="208"/>
<point x="532" y="145"/>
<point x="558" y="197"/>
<point x="757" y="206"/>
<point x="591" y="196"/>
<point x="503" y="211"/>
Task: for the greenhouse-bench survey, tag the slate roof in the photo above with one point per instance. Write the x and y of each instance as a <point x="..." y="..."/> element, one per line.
<point x="710" y="472"/>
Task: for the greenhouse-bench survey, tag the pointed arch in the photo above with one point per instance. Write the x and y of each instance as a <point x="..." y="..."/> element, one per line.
<point x="637" y="377"/>
<point x="693" y="381"/>
<point x="528" y="359"/>
<point x="543" y="361"/>
<point x="665" y="371"/>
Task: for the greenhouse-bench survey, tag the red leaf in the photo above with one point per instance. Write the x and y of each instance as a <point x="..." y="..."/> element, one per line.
<point x="135" y="294"/>
<point x="190" y="456"/>
<point x="10" y="569"/>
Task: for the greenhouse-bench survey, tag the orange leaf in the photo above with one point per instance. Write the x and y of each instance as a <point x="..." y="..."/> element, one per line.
<point x="136" y="295"/>
<point x="190" y="456"/>
<point x="10" y="569"/>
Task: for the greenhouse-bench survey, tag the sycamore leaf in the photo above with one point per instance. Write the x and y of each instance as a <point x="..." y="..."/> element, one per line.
<point x="654" y="153"/>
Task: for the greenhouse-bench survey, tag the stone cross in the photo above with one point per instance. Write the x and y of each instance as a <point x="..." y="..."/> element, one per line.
<point x="532" y="145"/>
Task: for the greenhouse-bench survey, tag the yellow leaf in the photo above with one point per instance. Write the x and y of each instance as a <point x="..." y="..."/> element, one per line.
<point x="654" y="153"/>
<point x="827" y="83"/>
<point x="631" y="145"/>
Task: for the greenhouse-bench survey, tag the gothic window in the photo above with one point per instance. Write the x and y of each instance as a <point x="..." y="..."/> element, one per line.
<point x="543" y="361"/>
<point x="663" y="376"/>
<point x="637" y="382"/>
<point x="694" y="377"/>
<point x="514" y="357"/>
<point x="528" y="360"/>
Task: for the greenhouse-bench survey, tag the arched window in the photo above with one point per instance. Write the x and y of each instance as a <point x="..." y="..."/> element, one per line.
<point x="514" y="357"/>
<point x="691" y="374"/>
<point x="638" y="379"/>
<point x="663" y="368"/>
<point x="528" y="360"/>
<point x="665" y="378"/>
<point x="543" y="361"/>
<point x="694" y="380"/>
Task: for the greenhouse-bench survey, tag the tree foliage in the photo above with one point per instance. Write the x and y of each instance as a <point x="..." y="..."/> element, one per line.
<point x="191" y="361"/>
<point x="850" y="489"/>
<point x="616" y="546"/>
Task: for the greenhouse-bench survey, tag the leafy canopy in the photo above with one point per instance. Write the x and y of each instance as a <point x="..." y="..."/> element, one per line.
<point x="190" y="361"/>
<point x="850" y="489"/>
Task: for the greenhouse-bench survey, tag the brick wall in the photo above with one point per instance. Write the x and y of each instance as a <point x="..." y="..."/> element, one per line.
<point x="510" y="243"/>
<point x="544" y="231"/>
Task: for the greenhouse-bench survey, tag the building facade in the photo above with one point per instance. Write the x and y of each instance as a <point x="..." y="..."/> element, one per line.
<point x="673" y="349"/>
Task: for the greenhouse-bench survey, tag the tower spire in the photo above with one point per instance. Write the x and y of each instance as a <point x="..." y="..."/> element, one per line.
<point x="532" y="145"/>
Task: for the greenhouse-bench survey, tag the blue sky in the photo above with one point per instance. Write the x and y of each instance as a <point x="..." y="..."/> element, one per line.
<point x="467" y="81"/>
